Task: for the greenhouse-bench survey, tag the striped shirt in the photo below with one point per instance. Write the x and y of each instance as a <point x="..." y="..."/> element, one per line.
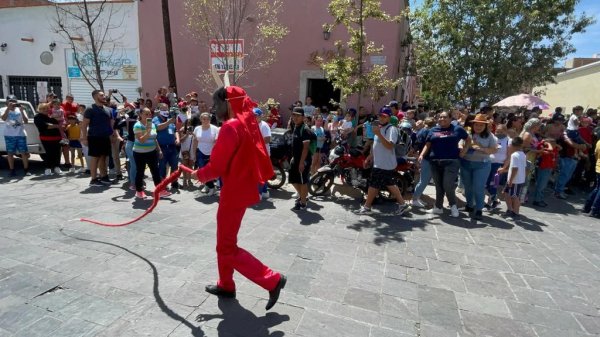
<point x="150" y="144"/>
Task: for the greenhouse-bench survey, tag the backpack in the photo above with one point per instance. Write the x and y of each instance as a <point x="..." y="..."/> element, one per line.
<point x="312" y="147"/>
<point x="403" y="142"/>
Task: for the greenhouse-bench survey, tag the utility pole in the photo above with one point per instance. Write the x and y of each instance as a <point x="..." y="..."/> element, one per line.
<point x="168" y="43"/>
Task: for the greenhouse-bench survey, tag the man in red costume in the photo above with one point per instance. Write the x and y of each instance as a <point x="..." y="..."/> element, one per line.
<point x="240" y="158"/>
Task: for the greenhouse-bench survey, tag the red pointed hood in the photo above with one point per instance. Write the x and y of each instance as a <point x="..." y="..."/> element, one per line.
<point x="241" y="105"/>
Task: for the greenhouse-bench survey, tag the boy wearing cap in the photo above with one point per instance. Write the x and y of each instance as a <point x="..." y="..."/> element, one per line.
<point x="15" y="137"/>
<point x="383" y="158"/>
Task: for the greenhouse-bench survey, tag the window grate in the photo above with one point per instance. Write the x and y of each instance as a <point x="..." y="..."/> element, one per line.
<point x="25" y="87"/>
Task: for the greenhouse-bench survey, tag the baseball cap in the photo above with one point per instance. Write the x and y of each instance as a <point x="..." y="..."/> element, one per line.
<point x="558" y="117"/>
<point x="385" y="111"/>
<point x="393" y="104"/>
<point x="11" y="98"/>
<point x="298" y="111"/>
<point x="257" y="111"/>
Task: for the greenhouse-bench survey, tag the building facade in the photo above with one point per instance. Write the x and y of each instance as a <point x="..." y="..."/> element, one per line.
<point x="35" y="60"/>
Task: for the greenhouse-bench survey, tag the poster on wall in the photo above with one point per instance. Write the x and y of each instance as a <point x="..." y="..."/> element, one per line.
<point x="42" y="90"/>
<point x="117" y="65"/>
<point x="227" y="54"/>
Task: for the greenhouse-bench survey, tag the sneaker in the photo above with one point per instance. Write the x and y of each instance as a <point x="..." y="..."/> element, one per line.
<point x="299" y="206"/>
<point x="295" y="195"/>
<point x="495" y="204"/>
<point x="211" y="192"/>
<point x="540" y="204"/>
<point x="164" y="194"/>
<point x="120" y="177"/>
<point x="561" y="196"/>
<point x="454" y="211"/>
<point x="508" y="214"/>
<point x="417" y="203"/>
<point x="362" y="211"/>
<point x="13" y="173"/>
<point x="96" y="182"/>
<point x="27" y="173"/>
<point x="48" y="172"/>
<point x="72" y="170"/>
<point x="140" y="195"/>
<point x="460" y="190"/>
<point x="402" y="209"/>
<point x="57" y="170"/>
<point x="204" y="189"/>
<point x="175" y="185"/>
<point x="105" y="180"/>
<point x="436" y="210"/>
<point x="265" y="195"/>
<point x="88" y="172"/>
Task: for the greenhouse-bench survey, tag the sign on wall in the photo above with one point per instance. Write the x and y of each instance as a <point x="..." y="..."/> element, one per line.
<point x="227" y="55"/>
<point x="119" y="64"/>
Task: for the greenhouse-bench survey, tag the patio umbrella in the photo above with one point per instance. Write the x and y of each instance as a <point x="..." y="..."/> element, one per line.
<point x="524" y="100"/>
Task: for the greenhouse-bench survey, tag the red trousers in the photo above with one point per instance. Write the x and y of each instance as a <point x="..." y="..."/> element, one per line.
<point x="230" y="257"/>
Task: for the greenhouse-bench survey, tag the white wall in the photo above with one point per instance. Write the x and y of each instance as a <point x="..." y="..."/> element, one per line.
<point x="22" y="58"/>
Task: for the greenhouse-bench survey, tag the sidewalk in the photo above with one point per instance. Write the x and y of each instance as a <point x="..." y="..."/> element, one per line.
<point x="348" y="275"/>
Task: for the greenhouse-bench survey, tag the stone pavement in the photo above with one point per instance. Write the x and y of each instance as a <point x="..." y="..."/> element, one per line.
<point x="348" y="275"/>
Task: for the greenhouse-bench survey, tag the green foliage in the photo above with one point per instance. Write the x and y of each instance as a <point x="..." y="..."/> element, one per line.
<point x="476" y="50"/>
<point x="346" y="69"/>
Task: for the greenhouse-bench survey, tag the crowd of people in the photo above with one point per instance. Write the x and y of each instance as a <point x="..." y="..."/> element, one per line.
<point x="485" y="155"/>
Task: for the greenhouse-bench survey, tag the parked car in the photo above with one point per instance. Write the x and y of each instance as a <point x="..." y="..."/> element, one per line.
<point x="33" y="137"/>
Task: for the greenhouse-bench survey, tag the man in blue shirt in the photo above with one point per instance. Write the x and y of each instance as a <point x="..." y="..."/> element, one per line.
<point x="168" y="140"/>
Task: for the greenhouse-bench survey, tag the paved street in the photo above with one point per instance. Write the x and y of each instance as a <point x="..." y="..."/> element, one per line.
<point x="348" y="275"/>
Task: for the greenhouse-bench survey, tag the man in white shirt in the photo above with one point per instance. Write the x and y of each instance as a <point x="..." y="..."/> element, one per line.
<point x="309" y="108"/>
<point x="265" y="130"/>
<point x="15" y="137"/>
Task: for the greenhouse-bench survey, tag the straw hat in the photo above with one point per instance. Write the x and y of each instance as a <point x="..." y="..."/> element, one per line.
<point x="481" y="118"/>
<point x="271" y="101"/>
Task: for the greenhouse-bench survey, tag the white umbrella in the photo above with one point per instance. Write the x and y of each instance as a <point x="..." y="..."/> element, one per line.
<point x="524" y="100"/>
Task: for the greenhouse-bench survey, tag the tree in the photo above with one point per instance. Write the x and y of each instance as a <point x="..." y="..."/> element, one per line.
<point x="168" y="43"/>
<point x="224" y="21"/>
<point x="470" y="51"/>
<point x="90" y="28"/>
<point x="346" y="69"/>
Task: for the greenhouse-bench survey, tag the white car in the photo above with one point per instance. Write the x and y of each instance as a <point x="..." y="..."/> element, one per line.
<point x="33" y="137"/>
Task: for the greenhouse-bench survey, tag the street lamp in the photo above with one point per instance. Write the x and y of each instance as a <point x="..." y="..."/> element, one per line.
<point x="52" y="46"/>
<point x="3" y="46"/>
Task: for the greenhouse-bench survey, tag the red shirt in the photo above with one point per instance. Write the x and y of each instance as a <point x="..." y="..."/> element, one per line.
<point x="587" y="135"/>
<point x="70" y="109"/>
<point x="548" y="159"/>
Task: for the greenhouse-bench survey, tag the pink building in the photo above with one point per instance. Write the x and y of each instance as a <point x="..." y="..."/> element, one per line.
<point x="290" y="78"/>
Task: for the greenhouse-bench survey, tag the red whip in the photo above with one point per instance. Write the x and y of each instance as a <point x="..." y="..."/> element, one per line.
<point x="158" y="188"/>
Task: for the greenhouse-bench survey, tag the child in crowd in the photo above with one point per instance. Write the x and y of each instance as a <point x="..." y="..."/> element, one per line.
<point x="516" y="178"/>
<point x="187" y="154"/>
<point x="573" y="130"/>
<point x="546" y="165"/>
<point x="73" y="132"/>
<point x="346" y="126"/>
<point x="59" y="114"/>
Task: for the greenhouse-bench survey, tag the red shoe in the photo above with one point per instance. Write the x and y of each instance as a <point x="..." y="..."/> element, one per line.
<point x="164" y="194"/>
<point x="140" y="195"/>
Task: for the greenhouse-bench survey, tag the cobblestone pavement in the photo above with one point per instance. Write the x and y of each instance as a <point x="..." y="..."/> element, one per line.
<point x="348" y="275"/>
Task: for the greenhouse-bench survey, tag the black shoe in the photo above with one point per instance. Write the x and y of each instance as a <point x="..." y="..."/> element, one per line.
<point x="540" y="204"/>
<point x="299" y="206"/>
<point x="468" y="209"/>
<point x="215" y="290"/>
<point x="96" y="182"/>
<point x="175" y="185"/>
<point x="120" y="177"/>
<point x="87" y="172"/>
<point x="106" y="180"/>
<point x="478" y="215"/>
<point x="274" y="294"/>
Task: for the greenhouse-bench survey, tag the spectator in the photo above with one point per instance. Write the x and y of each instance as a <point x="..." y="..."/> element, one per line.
<point x="319" y="131"/>
<point x="161" y="96"/>
<point x="301" y="159"/>
<point x="188" y="152"/>
<point x="168" y="140"/>
<point x="15" y="137"/>
<point x="49" y="131"/>
<point x="476" y="165"/>
<point x="172" y="96"/>
<point x="516" y="178"/>
<point x="69" y="106"/>
<point x="566" y="164"/>
<point x="274" y="117"/>
<point x="592" y="203"/>
<point x="556" y="127"/>
<point x="531" y="147"/>
<point x="116" y="141"/>
<point x="149" y="104"/>
<point x="96" y="133"/>
<point x="547" y="164"/>
<point x="131" y="119"/>
<point x="309" y="108"/>
<point x="425" y="167"/>
<point x="146" y="152"/>
<point x="205" y="137"/>
<point x="59" y="114"/>
<point x="74" y="133"/>
<point x="265" y="131"/>
<point x="498" y="160"/>
<point x="441" y="145"/>
<point x="383" y="159"/>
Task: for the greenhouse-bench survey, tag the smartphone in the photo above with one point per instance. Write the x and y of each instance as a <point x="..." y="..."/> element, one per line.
<point x="148" y="121"/>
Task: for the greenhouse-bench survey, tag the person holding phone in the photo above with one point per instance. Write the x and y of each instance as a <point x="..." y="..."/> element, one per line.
<point x="15" y="137"/>
<point x="146" y="152"/>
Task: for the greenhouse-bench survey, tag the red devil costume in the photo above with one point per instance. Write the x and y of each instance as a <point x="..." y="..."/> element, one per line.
<point x="240" y="159"/>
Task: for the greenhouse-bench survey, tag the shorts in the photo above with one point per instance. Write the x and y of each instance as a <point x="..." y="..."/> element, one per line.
<point x="16" y="144"/>
<point x="575" y="137"/>
<point x="99" y="146"/>
<point x="75" y="144"/>
<point x="514" y="191"/>
<point x="381" y="179"/>
<point x="295" y="177"/>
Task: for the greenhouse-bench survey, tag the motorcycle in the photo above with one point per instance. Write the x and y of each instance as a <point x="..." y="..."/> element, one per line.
<point x="343" y="163"/>
<point x="280" y="157"/>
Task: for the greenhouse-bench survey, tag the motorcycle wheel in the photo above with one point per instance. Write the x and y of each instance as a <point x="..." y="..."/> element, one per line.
<point x="278" y="179"/>
<point x="320" y="183"/>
